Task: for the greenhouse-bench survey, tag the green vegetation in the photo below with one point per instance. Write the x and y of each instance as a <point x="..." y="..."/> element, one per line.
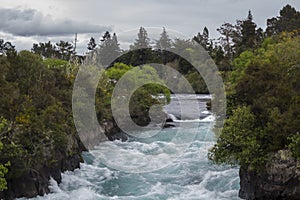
<point x="36" y="112"/>
<point x="264" y="107"/>
<point x="263" y="91"/>
<point x="142" y="99"/>
<point x="261" y="70"/>
<point x="3" y="167"/>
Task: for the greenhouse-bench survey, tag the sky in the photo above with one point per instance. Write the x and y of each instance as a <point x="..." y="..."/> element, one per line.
<point x="24" y="22"/>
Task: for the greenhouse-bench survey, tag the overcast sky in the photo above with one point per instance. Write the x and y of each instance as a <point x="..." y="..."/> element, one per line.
<point x="25" y="22"/>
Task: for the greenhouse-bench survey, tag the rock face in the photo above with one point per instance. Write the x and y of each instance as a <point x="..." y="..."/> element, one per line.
<point x="280" y="179"/>
<point x="113" y="132"/>
<point x="35" y="181"/>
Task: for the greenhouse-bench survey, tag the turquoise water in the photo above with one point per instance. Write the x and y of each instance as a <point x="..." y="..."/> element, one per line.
<point x="170" y="165"/>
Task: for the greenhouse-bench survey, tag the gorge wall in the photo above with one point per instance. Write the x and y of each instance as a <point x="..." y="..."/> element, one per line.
<point x="280" y="179"/>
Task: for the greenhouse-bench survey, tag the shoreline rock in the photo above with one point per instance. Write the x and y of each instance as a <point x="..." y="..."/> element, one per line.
<point x="280" y="179"/>
<point x="36" y="180"/>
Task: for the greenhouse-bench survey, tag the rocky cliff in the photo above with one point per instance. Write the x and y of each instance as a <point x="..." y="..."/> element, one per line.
<point x="35" y="180"/>
<point x="280" y="179"/>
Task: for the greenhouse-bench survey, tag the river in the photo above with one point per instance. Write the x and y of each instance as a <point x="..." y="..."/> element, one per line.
<point x="165" y="168"/>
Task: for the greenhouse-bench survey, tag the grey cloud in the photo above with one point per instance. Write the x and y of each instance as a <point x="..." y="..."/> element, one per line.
<point x="31" y="22"/>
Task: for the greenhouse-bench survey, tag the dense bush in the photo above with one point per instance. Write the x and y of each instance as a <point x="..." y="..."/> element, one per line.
<point x="263" y="103"/>
<point x="35" y="101"/>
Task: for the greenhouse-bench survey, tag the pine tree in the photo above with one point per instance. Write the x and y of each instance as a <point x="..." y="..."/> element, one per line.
<point x="64" y="50"/>
<point x="6" y="47"/>
<point x="228" y="33"/>
<point x="163" y="45"/>
<point x="142" y="41"/>
<point x="164" y="42"/>
<point x="248" y="34"/>
<point x="109" y="49"/>
<point x="204" y="41"/>
<point x="92" y="44"/>
<point x="47" y="49"/>
<point x="288" y="20"/>
<point x="141" y="49"/>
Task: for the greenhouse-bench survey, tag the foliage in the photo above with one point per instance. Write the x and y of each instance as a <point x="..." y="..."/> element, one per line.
<point x="35" y="99"/>
<point x="287" y="21"/>
<point x="61" y="50"/>
<point x="239" y="142"/>
<point x="3" y="166"/>
<point x="294" y="145"/>
<point x="267" y="83"/>
<point x="142" y="41"/>
<point x="142" y="99"/>
<point x="92" y="44"/>
<point x="109" y="49"/>
<point x="164" y="42"/>
<point x="6" y="47"/>
<point x="64" y="50"/>
<point x="262" y="80"/>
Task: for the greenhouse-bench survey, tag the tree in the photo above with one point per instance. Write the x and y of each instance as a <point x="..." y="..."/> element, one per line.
<point x="142" y="41"/>
<point x="288" y="20"/>
<point x="163" y="45"/>
<point x="3" y="167"/>
<point x="238" y="141"/>
<point x="109" y="49"/>
<point x="228" y="33"/>
<point x="262" y="104"/>
<point x="164" y="42"/>
<point x="248" y="35"/>
<point x="47" y="49"/>
<point x="92" y="44"/>
<point x="203" y="40"/>
<point x="35" y="98"/>
<point x="183" y="47"/>
<point x="141" y="49"/>
<point x="142" y="99"/>
<point x="64" y="50"/>
<point x="6" y="47"/>
<point x="239" y="37"/>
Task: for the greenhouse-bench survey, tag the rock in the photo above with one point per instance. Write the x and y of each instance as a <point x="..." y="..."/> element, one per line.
<point x="169" y="120"/>
<point x="113" y="132"/>
<point x="35" y="181"/>
<point x="280" y="179"/>
<point x="168" y="125"/>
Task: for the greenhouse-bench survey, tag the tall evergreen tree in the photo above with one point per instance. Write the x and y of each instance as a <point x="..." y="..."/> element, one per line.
<point x="164" y="42"/>
<point x="142" y="41"/>
<point x="248" y="34"/>
<point x="163" y="45"/>
<point x="6" y="47"/>
<point x="92" y="44"/>
<point x="47" y="49"/>
<point x="141" y="48"/>
<point x="288" y="20"/>
<point x="228" y="35"/>
<point x="109" y="49"/>
<point x="239" y="37"/>
<point x="65" y="50"/>
<point x="203" y="39"/>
